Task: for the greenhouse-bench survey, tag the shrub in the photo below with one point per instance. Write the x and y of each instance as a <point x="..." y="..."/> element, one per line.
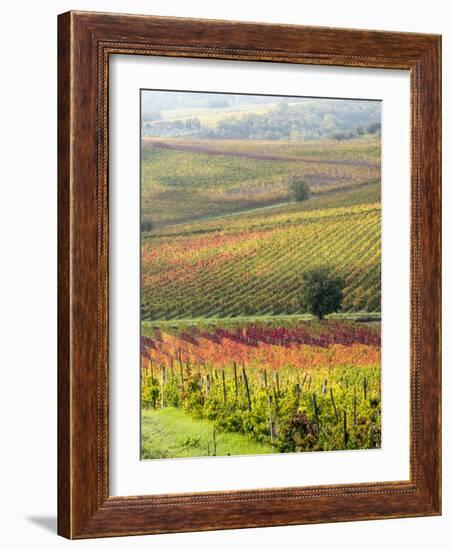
<point x="146" y="225"/>
<point x="301" y="190"/>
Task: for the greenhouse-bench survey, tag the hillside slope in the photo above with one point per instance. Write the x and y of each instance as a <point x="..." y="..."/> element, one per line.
<point x="251" y="264"/>
<point x="185" y="180"/>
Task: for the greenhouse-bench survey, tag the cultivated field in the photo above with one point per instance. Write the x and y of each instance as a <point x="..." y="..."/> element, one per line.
<point x="302" y="387"/>
<point x="183" y="181"/>
<point x="232" y="362"/>
<point x="253" y="265"/>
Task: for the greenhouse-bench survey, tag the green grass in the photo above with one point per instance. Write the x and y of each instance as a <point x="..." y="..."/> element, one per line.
<point x="171" y="433"/>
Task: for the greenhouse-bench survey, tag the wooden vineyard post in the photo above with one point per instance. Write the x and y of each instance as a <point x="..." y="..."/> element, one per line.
<point x="315" y="408"/>
<point x="235" y="381"/>
<point x="355" y="406"/>
<point x="214" y="442"/>
<point x="181" y="370"/>
<point x="224" y="387"/>
<point x="276" y="400"/>
<point x="247" y="389"/>
<point x="345" y="429"/>
<point x="271" y="426"/>
<point x="162" y="387"/>
<point x="297" y="392"/>
<point x="364" y="388"/>
<point x="303" y="382"/>
<point x="333" y="404"/>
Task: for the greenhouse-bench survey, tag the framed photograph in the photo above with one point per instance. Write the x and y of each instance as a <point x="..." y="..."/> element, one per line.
<point x="249" y="275"/>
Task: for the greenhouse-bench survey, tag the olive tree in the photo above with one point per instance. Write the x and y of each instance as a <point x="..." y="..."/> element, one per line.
<point x="321" y="292"/>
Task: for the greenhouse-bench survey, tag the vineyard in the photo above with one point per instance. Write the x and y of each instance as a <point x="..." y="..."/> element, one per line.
<point x="301" y="387"/>
<point x="246" y="202"/>
<point x="366" y="150"/>
<point x="253" y="264"/>
<point x="181" y="185"/>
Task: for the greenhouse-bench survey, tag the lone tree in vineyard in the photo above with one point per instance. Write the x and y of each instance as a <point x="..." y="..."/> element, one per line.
<point x="300" y="189"/>
<point x="322" y="291"/>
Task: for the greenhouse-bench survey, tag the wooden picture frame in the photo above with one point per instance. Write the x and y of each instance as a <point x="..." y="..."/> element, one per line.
<point x="85" y="42"/>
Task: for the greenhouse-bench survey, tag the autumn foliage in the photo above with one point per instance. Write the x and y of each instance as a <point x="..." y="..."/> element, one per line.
<point x="285" y="385"/>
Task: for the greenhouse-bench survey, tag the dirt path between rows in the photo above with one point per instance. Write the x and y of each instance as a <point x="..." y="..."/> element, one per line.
<point x="256" y="156"/>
